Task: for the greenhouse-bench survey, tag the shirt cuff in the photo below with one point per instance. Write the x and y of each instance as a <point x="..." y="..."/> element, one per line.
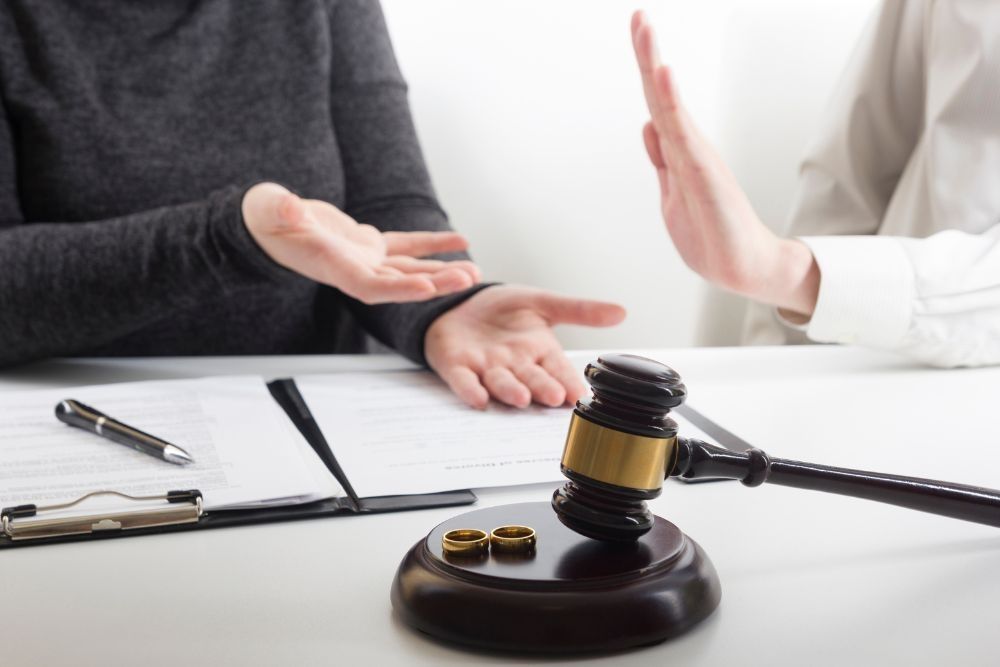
<point x="866" y="290"/>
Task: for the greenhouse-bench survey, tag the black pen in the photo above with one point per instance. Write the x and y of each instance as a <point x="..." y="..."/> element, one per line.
<point x="82" y="416"/>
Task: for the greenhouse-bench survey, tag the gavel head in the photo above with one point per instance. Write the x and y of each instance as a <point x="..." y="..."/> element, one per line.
<point x="620" y="446"/>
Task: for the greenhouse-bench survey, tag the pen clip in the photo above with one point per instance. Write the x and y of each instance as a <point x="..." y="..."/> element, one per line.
<point x="22" y="522"/>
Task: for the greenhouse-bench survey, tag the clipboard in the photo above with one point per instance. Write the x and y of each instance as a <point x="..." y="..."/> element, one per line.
<point x="178" y="511"/>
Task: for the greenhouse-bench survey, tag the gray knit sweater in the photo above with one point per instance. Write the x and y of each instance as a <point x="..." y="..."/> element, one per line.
<point x="129" y="131"/>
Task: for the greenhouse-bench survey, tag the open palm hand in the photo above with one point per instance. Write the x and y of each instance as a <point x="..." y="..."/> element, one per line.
<point x="317" y="240"/>
<point x="500" y="343"/>
<point x="707" y="214"/>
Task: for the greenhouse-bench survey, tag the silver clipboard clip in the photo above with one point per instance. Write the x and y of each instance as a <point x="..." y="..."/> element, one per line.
<point x="23" y="523"/>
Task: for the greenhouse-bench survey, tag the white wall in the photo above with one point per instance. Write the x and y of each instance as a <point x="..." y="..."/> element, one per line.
<point x="530" y="114"/>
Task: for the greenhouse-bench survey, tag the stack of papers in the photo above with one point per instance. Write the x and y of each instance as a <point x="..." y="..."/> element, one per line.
<point x="393" y="433"/>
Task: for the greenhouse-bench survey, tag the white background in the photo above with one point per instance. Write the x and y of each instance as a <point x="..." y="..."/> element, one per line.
<point x="530" y="115"/>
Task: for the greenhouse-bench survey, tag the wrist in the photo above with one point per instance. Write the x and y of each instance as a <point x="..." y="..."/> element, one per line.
<point x="435" y="318"/>
<point x="794" y="285"/>
<point x="241" y="247"/>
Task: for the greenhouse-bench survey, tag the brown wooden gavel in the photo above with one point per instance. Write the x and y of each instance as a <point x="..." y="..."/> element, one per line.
<point x="622" y="444"/>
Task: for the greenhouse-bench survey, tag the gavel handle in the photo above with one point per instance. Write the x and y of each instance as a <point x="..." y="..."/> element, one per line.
<point x="699" y="460"/>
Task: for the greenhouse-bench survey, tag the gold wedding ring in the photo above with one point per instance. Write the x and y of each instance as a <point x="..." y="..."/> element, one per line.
<point x="513" y="539"/>
<point x="465" y="542"/>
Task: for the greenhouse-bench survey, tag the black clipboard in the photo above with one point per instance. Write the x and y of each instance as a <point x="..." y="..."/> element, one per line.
<point x="181" y="511"/>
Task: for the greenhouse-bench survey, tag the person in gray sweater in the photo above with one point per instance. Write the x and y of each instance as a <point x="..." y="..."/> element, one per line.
<point x="220" y="177"/>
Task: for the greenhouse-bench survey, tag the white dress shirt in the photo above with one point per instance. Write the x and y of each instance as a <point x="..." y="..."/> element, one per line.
<point x="899" y="199"/>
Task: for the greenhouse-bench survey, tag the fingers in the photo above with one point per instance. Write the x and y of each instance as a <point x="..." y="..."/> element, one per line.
<point x="502" y="384"/>
<point x="388" y="285"/>
<point x="677" y="135"/>
<point x="465" y="384"/>
<point x="446" y="278"/>
<point x="559" y="367"/>
<point x="517" y="384"/>
<point x="564" y="310"/>
<point x="391" y="288"/>
<point x="544" y="388"/>
<point x="644" y="44"/>
<point x="682" y="146"/>
<point x="516" y="388"/>
<point x="420" y="244"/>
<point x="638" y="18"/>
<point x="670" y="112"/>
<point x="467" y="267"/>
<point x="669" y="118"/>
<point x="402" y="279"/>
<point x="451" y="280"/>
<point x="406" y="264"/>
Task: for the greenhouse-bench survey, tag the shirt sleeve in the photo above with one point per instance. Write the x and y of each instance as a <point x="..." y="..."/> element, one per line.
<point x="386" y="180"/>
<point x="850" y="171"/>
<point x="936" y="299"/>
<point x="66" y="288"/>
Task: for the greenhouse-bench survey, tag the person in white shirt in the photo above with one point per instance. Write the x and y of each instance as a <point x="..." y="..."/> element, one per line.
<point x="894" y="239"/>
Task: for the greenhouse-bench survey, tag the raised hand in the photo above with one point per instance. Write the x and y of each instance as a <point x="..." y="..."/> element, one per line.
<point x="500" y="343"/>
<point x="317" y="240"/>
<point x="709" y="218"/>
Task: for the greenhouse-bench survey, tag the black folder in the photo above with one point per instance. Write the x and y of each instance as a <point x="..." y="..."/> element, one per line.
<point x="175" y="518"/>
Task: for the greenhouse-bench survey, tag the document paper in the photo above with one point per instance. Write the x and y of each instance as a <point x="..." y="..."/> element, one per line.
<point x="404" y="432"/>
<point x="246" y="451"/>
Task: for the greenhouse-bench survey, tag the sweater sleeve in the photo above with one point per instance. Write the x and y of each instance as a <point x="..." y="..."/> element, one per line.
<point x="68" y="287"/>
<point x="387" y="184"/>
<point x="10" y="209"/>
<point x="936" y="299"/>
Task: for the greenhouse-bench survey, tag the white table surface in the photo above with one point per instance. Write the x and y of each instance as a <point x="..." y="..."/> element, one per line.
<point x="807" y="578"/>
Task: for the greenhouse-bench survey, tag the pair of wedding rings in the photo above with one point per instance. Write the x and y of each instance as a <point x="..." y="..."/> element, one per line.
<point x="475" y="542"/>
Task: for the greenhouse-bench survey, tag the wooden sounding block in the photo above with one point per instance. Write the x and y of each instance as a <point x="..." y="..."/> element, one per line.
<point x="573" y="594"/>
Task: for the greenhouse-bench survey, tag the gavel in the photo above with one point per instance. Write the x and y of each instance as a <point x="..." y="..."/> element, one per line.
<point x="622" y="444"/>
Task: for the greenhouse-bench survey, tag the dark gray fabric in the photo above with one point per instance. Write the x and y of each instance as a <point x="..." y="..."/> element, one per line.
<point x="129" y="131"/>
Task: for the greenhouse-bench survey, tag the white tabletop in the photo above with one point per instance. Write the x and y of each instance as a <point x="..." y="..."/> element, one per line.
<point x="807" y="578"/>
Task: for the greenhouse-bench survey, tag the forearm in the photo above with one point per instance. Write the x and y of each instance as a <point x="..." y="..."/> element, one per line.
<point x="69" y="287"/>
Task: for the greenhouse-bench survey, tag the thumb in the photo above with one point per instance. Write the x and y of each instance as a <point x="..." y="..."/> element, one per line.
<point x="291" y="210"/>
<point x="654" y="149"/>
<point x="269" y="207"/>
<point x="651" y="138"/>
<point x="565" y="310"/>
